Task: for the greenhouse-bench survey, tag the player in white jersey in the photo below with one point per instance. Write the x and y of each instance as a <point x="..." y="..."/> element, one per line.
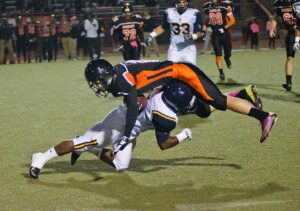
<point x="185" y="25"/>
<point x="159" y="114"/>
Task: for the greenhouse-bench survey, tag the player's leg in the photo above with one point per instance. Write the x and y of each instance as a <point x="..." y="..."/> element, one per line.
<point x="174" y="55"/>
<point x="190" y="56"/>
<point x="290" y="54"/>
<point x="226" y="42"/>
<point x="205" y="88"/>
<point x="217" y="46"/>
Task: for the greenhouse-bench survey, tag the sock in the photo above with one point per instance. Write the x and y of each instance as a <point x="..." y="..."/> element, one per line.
<point x="258" y="114"/>
<point x="46" y="156"/>
<point x="221" y="71"/>
<point x="289" y="79"/>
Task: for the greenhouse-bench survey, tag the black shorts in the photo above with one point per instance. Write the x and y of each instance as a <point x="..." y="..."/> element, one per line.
<point x="221" y="41"/>
<point x="289" y="44"/>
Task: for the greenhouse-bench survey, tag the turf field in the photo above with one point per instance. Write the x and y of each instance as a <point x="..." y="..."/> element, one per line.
<point x="224" y="167"/>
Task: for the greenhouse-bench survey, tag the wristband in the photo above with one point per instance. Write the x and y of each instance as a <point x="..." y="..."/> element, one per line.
<point x="153" y="34"/>
<point x="297" y="39"/>
<point x="181" y="136"/>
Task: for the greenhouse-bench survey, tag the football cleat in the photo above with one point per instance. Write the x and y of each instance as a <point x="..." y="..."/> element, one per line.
<point x="74" y="157"/>
<point x="228" y="63"/>
<point x="287" y="86"/>
<point x="222" y="76"/>
<point x="34" y="172"/>
<point x="266" y="126"/>
<point x="253" y="96"/>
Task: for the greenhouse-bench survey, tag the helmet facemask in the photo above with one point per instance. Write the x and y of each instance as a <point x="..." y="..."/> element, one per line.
<point x="101" y="87"/>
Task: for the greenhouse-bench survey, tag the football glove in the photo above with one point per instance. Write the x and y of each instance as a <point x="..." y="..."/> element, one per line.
<point x="296" y="46"/>
<point x="185" y="134"/>
<point x="121" y="145"/>
<point x="149" y="40"/>
<point x="221" y="30"/>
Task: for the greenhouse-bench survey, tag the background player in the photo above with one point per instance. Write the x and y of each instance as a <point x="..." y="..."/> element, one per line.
<point x="132" y="78"/>
<point x="284" y="11"/>
<point x="219" y="16"/>
<point x="159" y="114"/>
<point x="185" y="25"/>
<point x="127" y="30"/>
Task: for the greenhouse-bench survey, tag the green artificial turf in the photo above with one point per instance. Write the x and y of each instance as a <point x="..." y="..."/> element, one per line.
<point x="224" y="167"/>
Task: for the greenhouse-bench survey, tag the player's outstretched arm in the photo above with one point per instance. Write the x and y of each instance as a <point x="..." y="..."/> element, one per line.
<point x="172" y="141"/>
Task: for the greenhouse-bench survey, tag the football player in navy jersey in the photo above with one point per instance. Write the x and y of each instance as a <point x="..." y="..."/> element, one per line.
<point x="284" y="11"/>
<point x="185" y="25"/>
<point x="127" y="30"/>
<point x="159" y="113"/>
<point x="220" y="18"/>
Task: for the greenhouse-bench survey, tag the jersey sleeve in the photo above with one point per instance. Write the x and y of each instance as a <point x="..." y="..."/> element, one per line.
<point x="125" y="80"/>
<point x="165" y="24"/>
<point x="296" y="10"/>
<point x="163" y="125"/>
<point x="198" y="22"/>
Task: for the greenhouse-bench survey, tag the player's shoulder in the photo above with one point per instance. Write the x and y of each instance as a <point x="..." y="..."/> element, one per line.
<point x="170" y="10"/>
<point x="136" y="18"/>
<point x="192" y="11"/>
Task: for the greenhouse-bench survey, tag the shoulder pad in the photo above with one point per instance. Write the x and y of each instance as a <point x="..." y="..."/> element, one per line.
<point x="162" y="122"/>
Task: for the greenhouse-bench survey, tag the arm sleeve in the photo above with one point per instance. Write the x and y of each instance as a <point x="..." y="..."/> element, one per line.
<point x="198" y="22"/>
<point x="132" y="111"/>
<point x="163" y="126"/>
<point x="165" y="25"/>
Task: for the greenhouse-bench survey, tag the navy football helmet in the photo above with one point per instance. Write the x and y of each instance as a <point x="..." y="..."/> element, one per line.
<point x="181" y="5"/>
<point x="99" y="75"/>
<point x="179" y="97"/>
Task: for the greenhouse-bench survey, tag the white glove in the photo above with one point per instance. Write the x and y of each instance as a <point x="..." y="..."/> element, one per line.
<point x="188" y="37"/>
<point x="185" y="134"/>
<point x="121" y="48"/>
<point x="221" y="30"/>
<point x="121" y="145"/>
<point x="149" y="40"/>
<point x="296" y="44"/>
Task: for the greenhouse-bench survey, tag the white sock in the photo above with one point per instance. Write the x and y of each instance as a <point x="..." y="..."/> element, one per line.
<point x="44" y="158"/>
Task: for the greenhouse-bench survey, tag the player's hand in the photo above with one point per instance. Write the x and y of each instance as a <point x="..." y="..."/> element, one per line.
<point x="296" y="46"/>
<point x="221" y="30"/>
<point x="188" y="37"/>
<point x="121" y="48"/>
<point x="203" y="34"/>
<point x="149" y="40"/>
<point x="143" y="44"/>
<point x="185" y="134"/>
<point x="121" y="145"/>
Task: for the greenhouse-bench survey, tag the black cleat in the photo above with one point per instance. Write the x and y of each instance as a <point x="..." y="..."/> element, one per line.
<point x="222" y="76"/>
<point x="34" y="172"/>
<point x="74" y="157"/>
<point x="287" y="86"/>
<point x="228" y="63"/>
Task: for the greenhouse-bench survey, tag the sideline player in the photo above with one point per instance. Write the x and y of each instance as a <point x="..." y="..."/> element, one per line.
<point x="127" y="30"/>
<point x="185" y="25"/>
<point x="160" y="113"/>
<point x="284" y="11"/>
<point x="132" y="78"/>
<point x="220" y="18"/>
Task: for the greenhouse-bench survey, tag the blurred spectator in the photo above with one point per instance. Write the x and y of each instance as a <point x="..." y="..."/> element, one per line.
<point x="246" y="32"/>
<point x="91" y="27"/>
<point x="101" y="34"/>
<point x="149" y="25"/>
<point x="66" y="39"/>
<point x="54" y="35"/>
<point x="31" y="38"/>
<point x="268" y="28"/>
<point x="21" y="39"/>
<point x="75" y="32"/>
<point x="81" y="43"/>
<point x="6" y="41"/>
<point x="254" y="34"/>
